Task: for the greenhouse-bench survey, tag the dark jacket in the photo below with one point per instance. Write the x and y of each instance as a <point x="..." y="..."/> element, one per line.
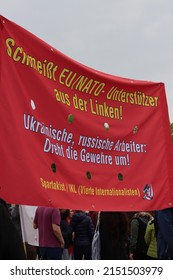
<point x="113" y="236"/>
<point x="66" y="233"/>
<point x="11" y="246"/>
<point x="83" y="228"/>
<point x="164" y="219"/>
<point x="138" y="227"/>
<point x="15" y="217"/>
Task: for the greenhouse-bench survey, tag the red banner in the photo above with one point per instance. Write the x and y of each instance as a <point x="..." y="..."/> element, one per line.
<point x="74" y="137"/>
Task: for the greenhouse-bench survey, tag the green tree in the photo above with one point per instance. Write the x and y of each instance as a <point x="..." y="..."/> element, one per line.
<point x="171" y="125"/>
<point x="171" y="128"/>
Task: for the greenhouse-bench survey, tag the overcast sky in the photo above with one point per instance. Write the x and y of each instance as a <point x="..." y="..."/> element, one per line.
<point x="126" y="38"/>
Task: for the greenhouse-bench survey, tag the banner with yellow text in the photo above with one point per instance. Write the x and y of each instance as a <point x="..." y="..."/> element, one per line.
<point x="74" y="137"/>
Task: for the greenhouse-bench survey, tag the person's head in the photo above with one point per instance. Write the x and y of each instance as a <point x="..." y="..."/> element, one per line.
<point x="143" y="214"/>
<point x="4" y="203"/>
<point x="65" y="213"/>
<point x="72" y="211"/>
<point x="4" y="210"/>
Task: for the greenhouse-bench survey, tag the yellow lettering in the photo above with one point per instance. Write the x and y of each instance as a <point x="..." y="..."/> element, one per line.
<point x="9" y="42"/>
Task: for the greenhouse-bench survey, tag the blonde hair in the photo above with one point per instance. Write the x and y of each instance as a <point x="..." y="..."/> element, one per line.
<point x="143" y="214"/>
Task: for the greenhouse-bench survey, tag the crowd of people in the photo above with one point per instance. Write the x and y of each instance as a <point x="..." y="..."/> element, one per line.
<point x="64" y="234"/>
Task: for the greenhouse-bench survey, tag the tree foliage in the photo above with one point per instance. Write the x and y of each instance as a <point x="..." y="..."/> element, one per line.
<point x="171" y="128"/>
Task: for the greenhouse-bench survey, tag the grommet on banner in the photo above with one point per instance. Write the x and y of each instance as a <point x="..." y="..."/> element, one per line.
<point x="106" y="126"/>
<point x="33" y="105"/>
<point x="120" y="177"/>
<point x="88" y="175"/>
<point x="135" y="130"/>
<point x="53" y="167"/>
<point x="70" y="118"/>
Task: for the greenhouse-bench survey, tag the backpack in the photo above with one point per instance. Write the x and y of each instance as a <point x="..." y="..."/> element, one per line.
<point x="96" y="241"/>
